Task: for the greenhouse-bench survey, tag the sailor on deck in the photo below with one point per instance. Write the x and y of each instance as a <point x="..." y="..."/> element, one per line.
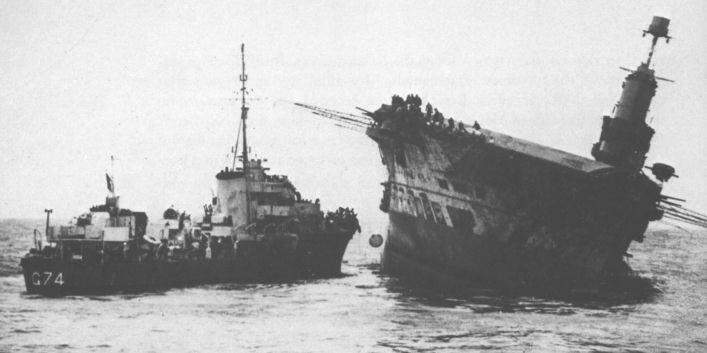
<point x="162" y="250"/>
<point x="397" y="101"/>
<point x="461" y="126"/>
<point x="437" y="117"/>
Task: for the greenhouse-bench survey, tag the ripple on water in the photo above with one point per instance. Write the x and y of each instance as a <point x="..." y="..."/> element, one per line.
<point x="369" y="312"/>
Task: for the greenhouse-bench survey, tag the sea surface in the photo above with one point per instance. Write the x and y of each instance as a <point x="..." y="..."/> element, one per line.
<point x="364" y="311"/>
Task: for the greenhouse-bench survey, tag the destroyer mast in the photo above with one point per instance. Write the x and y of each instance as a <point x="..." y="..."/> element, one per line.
<point x="257" y="227"/>
<point x="244" y="116"/>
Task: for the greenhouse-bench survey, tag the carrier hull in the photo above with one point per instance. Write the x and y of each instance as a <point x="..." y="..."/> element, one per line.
<point x="315" y="257"/>
<point x="488" y="207"/>
<point x="442" y="255"/>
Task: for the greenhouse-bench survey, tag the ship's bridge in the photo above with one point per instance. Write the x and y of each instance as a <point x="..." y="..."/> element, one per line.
<point x="268" y="195"/>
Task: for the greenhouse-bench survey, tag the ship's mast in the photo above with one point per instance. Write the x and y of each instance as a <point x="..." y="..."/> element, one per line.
<point x="244" y="116"/>
<point x="46" y="228"/>
<point x="658" y="29"/>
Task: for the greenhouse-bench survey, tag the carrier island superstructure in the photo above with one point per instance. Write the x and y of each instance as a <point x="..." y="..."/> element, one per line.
<point x="470" y="203"/>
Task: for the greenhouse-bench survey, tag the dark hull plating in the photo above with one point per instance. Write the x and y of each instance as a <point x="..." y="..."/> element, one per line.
<point x="441" y="255"/>
<point x="496" y="209"/>
<point x="253" y="261"/>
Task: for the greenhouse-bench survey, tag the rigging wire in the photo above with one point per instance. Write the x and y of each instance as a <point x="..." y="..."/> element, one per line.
<point x="235" y="149"/>
<point x="341" y="118"/>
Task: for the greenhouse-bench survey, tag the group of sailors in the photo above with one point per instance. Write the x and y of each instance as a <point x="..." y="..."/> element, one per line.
<point x="276" y="178"/>
<point x="192" y="244"/>
<point x="408" y="111"/>
<point x="195" y="245"/>
<point x="344" y="217"/>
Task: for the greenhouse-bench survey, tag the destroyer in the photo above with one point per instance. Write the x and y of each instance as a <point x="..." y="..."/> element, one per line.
<point x="256" y="228"/>
<point x="473" y="204"/>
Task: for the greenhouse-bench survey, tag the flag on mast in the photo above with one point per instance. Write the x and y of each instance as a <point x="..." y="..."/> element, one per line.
<point x="109" y="183"/>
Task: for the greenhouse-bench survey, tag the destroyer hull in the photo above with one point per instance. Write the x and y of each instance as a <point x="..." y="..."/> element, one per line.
<point x="253" y="261"/>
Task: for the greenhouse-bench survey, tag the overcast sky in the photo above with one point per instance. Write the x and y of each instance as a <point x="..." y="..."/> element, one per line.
<point x="153" y="83"/>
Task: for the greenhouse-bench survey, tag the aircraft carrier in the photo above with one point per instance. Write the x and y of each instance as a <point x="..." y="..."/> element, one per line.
<point x="469" y="203"/>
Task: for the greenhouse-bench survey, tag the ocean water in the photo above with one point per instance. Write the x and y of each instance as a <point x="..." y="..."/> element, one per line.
<point x="364" y="311"/>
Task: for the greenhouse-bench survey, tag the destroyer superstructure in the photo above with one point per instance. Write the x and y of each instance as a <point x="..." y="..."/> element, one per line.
<point x="256" y="228"/>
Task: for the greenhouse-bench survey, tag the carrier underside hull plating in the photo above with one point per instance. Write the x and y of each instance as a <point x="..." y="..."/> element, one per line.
<point x="417" y="248"/>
